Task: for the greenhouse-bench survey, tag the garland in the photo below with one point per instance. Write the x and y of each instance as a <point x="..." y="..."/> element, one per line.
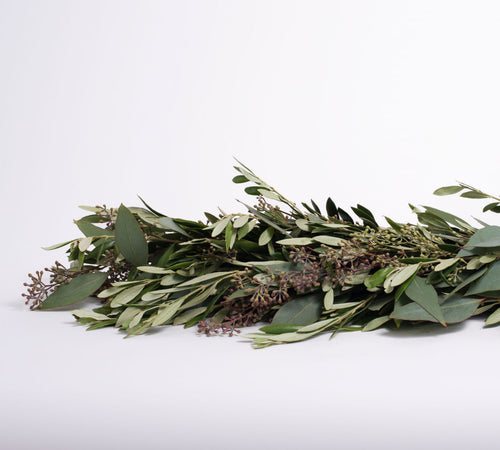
<point x="305" y="271"/>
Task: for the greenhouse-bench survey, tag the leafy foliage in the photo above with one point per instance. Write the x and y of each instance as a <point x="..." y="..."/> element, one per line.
<point x="306" y="271"/>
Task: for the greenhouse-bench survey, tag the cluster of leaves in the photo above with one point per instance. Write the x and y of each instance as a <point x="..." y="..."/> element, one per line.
<point x="303" y="271"/>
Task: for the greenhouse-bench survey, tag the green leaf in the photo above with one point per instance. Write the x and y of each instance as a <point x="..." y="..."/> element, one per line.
<point x="448" y="190"/>
<point x="328" y="300"/>
<point x="240" y="221"/>
<point x="493" y="318"/>
<point x="455" y="309"/>
<point x="378" y="277"/>
<point x="328" y="240"/>
<point x="445" y="264"/>
<point x="207" y="277"/>
<point x="166" y="313"/>
<point x="126" y="296"/>
<point x="84" y="243"/>
<point x="375" y="323"/>
<point x="240" y="179"/>
<point x="489" y="284"/>
<point x="396" y="226"/>
<point x="295" y="241"/>
<point x="130" y="239"/>
<point x="228" y="234"/>
<point x="404" y="274"/>
<point x="253" y="190"/>
<point x="425" y="295"/>
<point x="491" y="206"/>
<point x="266" y="236"/>
<point x="220" y="226"/>
<point x="154" y="269"/>
<point x="90" y="230"/>
<point x="82" y="313"/>
<point x="300" y="311"/>
<point x="188" y="315"/>
<point x="450" y="218"/>
<point x="126" y="316"/>
<point x="278" y="328"/>
<point x="79" y="288"/>
<point x="149" y="207"/>
<point x="55" y="246"/>
<point x="168" y="223"/>
<point x="101" y="324"/>
<point x="269" y="194"/>
<point x="470" y="279"/>
<point x="473" y="194"/>
<point x="485" y="237"/>
<point x="331" y="208"/>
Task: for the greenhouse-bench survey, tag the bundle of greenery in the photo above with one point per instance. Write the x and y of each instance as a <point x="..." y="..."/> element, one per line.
<point x="304" y="271"/>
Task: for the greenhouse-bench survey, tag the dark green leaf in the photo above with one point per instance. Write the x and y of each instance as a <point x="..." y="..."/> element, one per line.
<point x="278" y="328"/>
<point x="378" y="303"/>
<point x="300" y="311"/>
<point x="345" y="216"/>
<point x="425" y="295"/>
<point x="378" y="277"/>
<point x="316" y="207"/>
<point x="366" y="215"/>
<point x="331" y="209"/>
<point x="240" y="179"/>
<point x="211" y="218"/>
<point x="149" y="207"/>
<point x="396" y="226"/>
<point x="102" y="324"/>
<point x="490" y="206"/>
<point x="252" y="190"/>
<point x="311" y="210"/>
<point x="130" y="239"/>
<point x="79" y="288"/>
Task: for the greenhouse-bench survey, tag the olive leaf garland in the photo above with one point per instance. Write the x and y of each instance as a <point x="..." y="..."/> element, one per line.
<point x="305" y="271"/>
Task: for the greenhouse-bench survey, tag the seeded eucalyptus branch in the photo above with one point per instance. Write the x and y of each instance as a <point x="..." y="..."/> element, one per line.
<point x="304" y="272"/>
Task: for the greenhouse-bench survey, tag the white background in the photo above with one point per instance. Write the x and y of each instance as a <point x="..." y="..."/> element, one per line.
<point x="376" y="102"/>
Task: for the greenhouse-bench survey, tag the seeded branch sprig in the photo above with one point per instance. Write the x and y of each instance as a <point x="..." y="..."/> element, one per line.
<point x="301" y="272"/>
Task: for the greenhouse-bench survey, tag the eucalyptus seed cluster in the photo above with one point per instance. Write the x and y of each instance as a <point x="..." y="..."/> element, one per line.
<point x="408" y="241"/>
<point x="211" y="327"/>
<point x="274" y="212"/>
<point x="348" y="260"/>
<point x="38" y="290"/>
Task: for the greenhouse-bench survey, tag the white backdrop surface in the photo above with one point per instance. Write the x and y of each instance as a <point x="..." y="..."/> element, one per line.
<point x="377" y="103"/>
